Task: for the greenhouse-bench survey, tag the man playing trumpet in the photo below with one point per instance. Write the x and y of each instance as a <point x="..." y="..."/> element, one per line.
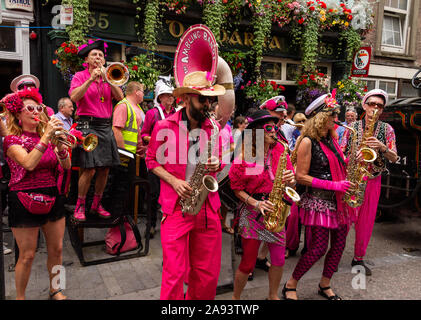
<point x="383" y="142"/>
<point x="93" y="97"/>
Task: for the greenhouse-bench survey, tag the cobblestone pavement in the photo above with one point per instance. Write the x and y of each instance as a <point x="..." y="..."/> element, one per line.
<point x="394" y="255"/>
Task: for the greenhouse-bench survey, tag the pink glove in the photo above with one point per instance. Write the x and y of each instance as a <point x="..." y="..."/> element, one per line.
<point x="341" y="186"/>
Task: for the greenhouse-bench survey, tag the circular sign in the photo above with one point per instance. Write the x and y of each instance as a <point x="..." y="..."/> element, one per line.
<point x="362" y="58"/>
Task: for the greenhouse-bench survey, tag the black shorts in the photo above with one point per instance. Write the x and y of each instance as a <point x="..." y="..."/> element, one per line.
<point x="19" y="217"/>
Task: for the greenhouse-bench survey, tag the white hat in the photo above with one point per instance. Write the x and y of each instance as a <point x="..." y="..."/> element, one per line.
<point x="315" y="104"/>
<point x="162" y="85"/>
<point x="376" y="92"/>
<point x="24" y="78"/>
<point x="329" y="102"/>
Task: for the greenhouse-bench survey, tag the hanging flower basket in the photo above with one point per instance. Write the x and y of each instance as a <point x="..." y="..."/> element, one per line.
<point x="68" y="62"/>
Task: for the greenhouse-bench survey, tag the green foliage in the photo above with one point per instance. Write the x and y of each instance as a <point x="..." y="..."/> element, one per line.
<point x="309" y="45"/>
<point x="142" y="69"/>
<point x="78" y="30"/>
<point x="213" y="17"/>
<point x="235" y="59"/>
<point x="352" y="41"/>
<point x="151" y="24"/>
<point x="262" y="24"/>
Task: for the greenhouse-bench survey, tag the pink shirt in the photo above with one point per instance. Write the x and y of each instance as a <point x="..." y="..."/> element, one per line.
<point x="152" y="117"/>
<point x="90" y="104"/>
<point x="177" y="151"/>
<point x="44" y="175"/>
<point x="226" y="136"/>
<point x="119" y="121"/>
<point x="260" y="183"/>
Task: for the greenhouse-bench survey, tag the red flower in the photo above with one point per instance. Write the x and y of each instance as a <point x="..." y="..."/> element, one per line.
<point x="321" y="74"/>
<point x="349" y="17"/>
<point x="300" y="83"/>
<point x="301" y="21"/>
<point x="330" y="10"/>
<point x="282" y="88"/>
<point x="64" y="44"/>
<point x="135" y="68"/>
<point x="323" y="5"/>
<point x="67" y="50"/>
<point x="312" y="8"/>
<point x="305" y="81"/>
<point x="312" y="77"/>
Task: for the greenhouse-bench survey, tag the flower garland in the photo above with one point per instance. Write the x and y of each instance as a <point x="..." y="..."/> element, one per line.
<point x="152" y="24"/>
<point x="213" y="17"/>
<point x="262" y="25"/>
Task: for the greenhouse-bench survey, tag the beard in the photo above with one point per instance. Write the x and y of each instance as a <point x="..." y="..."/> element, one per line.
<point x="196" y="113"/>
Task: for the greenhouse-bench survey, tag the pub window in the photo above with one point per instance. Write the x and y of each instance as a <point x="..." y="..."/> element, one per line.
<point x="7" y="37"/>
<point x="390" y="86"/>
<point x="272" y="70"/>
<point x="396" y="26"/>
<point x="292" y="71"/>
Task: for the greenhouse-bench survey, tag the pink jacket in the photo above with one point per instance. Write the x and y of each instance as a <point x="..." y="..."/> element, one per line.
<point x="173" y="129"/>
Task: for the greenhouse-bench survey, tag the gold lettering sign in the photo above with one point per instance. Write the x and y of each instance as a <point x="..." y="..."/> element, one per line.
<point x="172" y="28"/>
<point x="248" y="39"/>
<point x="275" y="43"/>
<point x="236" y="39"/>
<point x="224" y="35"/>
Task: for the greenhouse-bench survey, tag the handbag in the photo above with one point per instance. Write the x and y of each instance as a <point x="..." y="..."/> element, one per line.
<point x="36" y="203"/>
<point x="120" y="239"/>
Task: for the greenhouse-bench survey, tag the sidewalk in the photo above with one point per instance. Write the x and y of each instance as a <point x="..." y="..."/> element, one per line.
<point x="396" y="271"/>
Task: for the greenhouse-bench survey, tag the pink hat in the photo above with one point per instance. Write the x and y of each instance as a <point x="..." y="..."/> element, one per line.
<point x="376" y="92"/>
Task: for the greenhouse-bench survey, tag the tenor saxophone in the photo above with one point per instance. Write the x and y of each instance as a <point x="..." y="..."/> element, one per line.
<point x="200" y="182"/>
<point x="357" y="171"/>
<point x="275" y="221"/>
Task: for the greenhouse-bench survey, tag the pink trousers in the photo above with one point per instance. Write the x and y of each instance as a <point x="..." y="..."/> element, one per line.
<point x="366" y="216"/>
<point x="293" y="232"/>
<point x="198" y="238"/>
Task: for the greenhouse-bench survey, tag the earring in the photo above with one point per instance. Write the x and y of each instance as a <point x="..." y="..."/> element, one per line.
<point x="20" y="123"/>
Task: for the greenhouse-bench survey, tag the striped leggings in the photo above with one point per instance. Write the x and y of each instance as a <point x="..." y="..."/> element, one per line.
<point x="318" y="248"/>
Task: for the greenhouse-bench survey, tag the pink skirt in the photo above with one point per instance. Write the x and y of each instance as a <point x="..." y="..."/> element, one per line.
<point x="318" y="212"/>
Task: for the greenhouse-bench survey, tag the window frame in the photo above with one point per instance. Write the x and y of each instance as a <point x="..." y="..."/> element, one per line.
<point x="284" y="62"/>
<point x="409" y="37"/>
<point x="377" y="85"/>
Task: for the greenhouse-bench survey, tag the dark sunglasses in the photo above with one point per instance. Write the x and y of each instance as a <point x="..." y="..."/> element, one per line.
<point x="373" y="104"/>
<point x="270" y="128"/>
<point x="32" y="108"/>
<point x="26" y="84"/>
<point x="203" y="99"/>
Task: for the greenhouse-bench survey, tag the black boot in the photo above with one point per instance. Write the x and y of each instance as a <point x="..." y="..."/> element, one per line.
<point x="361" y="263"/>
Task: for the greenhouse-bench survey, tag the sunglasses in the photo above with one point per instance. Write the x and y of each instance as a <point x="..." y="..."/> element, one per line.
<point x="203" y="99"/>
<point x="31" y="108"/>
<point x="26" y="84"/>
<point x="270" y="128"/>
<point x="373" y="104"/>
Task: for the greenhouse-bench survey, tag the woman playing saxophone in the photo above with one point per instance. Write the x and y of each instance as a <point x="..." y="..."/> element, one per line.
<point x="321" y="167"/>
<point x="252" y="183"/>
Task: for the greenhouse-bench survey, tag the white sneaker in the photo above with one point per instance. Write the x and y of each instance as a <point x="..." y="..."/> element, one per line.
<point x="6" y="250"/>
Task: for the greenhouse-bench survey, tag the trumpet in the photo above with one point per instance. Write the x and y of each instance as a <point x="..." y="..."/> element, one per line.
<point x="116" y="74"/>
<point x="89" y="143"/>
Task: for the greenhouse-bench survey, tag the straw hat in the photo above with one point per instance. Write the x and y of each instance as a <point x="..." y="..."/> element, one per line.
<point x="197" y="82"/>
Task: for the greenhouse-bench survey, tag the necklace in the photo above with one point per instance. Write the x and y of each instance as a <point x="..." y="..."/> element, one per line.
<point x="100" y="89"/>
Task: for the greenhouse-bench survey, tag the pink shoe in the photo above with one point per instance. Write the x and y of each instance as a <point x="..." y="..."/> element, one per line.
<point x="102" y="213"/>
<point x="79" y="214"/>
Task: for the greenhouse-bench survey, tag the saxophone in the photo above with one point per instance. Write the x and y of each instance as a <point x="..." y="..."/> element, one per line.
<point x="275" y="221"/>
<point x="357" y="172"/>
<point x="200" y="181"/>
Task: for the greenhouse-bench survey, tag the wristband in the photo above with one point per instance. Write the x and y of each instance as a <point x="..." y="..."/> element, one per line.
<point x="43" y="144"/>
<point x="40" y="147"/>
<point x="257" y="206"/>
<point x="62" y="153"/>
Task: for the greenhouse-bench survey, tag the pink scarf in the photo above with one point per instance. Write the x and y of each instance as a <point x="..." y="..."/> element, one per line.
<point x="338" y="173"/>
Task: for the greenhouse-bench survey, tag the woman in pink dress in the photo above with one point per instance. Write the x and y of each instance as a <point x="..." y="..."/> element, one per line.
<point x="34" y="163"/>
<point x="252" y="183"/>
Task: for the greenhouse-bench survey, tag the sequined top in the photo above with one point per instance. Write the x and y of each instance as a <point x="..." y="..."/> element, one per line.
<point x="44" y="175"/>
<point x="319" y="166"/>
